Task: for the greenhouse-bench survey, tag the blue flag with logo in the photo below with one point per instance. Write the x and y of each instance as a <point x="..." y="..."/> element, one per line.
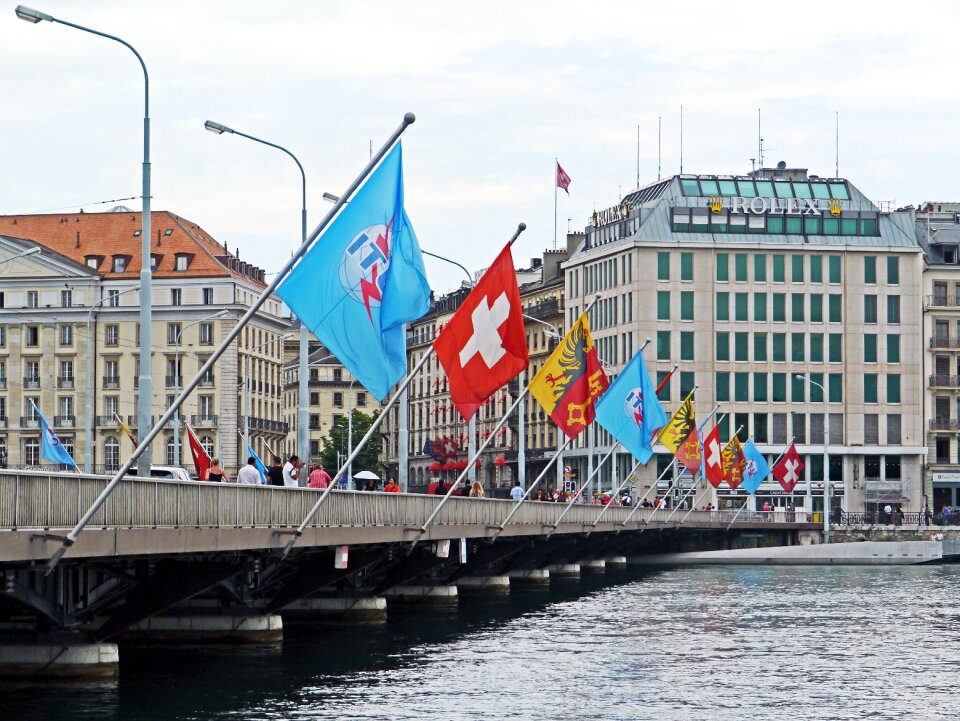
<point x="363" y="279"/>
<point x="631" y="411"/>
<point x="757" y="468"/>
<point x="260" y="467"/>
<point x="51" y="449"/>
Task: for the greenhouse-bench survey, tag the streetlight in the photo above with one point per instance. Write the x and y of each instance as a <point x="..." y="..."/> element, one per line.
<point x="88" y="453"/>
<point x="33" y="251"/>
<point x="146" y="298"/>
<point x="246" y="381"/>
<point x="176" y="382"/>
<point x="559" y="336"/>
<point x="826" y="465"/>
<point x="303" y="412"/>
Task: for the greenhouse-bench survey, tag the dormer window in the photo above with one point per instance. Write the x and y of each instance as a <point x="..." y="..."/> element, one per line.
<point x="120" y="263"/>
<point x="182" y="262"/>
<point x="155" y="261"/>
<point x="93" y="261"/>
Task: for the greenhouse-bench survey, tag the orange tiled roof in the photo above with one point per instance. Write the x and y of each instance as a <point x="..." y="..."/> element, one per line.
<point x="79" y="235"/>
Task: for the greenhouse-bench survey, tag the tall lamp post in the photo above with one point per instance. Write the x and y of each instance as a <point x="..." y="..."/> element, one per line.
<point x="559" y="336"/>
<point x="146" y="295"/>
<point x="176" y="382"/>
<point x="826" y="465"/>
<point x="88" y="440"/>
<point x="303" y="412"/>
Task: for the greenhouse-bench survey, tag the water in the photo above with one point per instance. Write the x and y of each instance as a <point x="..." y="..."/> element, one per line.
<point x="690" y="643"/>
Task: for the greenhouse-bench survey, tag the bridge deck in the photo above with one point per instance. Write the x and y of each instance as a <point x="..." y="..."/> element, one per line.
<point x="150" y="516"/>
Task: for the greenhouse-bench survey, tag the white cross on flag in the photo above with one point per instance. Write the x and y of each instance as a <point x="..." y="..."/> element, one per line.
<point x="713" y="458"/>
<point x="788" y="470"/>
<point x="484" y="345"/>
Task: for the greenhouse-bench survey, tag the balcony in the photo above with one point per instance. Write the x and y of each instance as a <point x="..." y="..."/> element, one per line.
<point x="207" y="381"/>
<point x="545" y="309"/>
<point x="132" y="421"/>
<point x="943" y="381"/>
<point x="203" y="421"/>
<point x="945" y="424"/>
<point x="3" y="421"/>
<point x="65" y="421"/>
<point x="111" y="382"/>
<point x="65" y="383"/>
<point x="28" y="422"/>
<point x="174" y="381"/>
<point x="107" y="422"/>
<point x="31" y="383"/>
<point x="3" y="384"/>
<point x="941" y="301"/>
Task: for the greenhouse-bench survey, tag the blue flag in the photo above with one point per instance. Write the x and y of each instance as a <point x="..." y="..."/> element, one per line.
<point x="260" y="467"/>
<point x="630" y="410"/>
<point x="757" y="468"/>
<point x="363" y="279"/>
<point x="51" y="448"/>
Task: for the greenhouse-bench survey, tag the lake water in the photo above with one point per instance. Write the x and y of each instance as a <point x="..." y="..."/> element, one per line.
<point x="684" y="643"/>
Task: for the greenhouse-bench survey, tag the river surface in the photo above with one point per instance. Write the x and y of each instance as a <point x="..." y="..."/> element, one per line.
<point x="686" y="643"/>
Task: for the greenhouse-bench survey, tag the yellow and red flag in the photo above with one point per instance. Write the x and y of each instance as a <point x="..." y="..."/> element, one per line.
<point x="680" y="436"/>
<point x="734" y="463"/>
<point x="571" y="380"/>
<point x="126" y="430"/>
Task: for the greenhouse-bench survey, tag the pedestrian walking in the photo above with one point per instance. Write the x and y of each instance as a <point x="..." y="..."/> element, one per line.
<point x="318" y="478"/>
<point x="275" y="472"/>
<point x="476" y="490"/>
<point x="391" y="487"/>
<point x="291" y="472"/>
<point x="249" y="475"/>
<point x="516" y="493"/>
<point x="217" y="474"/>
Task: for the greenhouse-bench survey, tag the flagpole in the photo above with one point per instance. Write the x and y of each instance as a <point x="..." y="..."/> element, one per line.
<point x="666" y="379"/>
<point x="585" y="484"/>
<point x="356" y="452"/>
<point x="556" y="166"/>
<point x="782" y="454"/>
<point x="71" y="537"/>
<point x="694" y="486"/>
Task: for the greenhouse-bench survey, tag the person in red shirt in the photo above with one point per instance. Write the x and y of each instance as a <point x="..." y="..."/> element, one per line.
<point x="318" y="479"/>
<point x="391" y="487"/>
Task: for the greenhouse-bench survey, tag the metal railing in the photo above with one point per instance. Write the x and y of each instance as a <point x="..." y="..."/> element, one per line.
<point x="65" y="421"/>
<point x="107" y="422"/>
<point x="3" y="383"/>
<point x="203" y="421"/>
<point x="942" y="301"/>
<point x="944" y="381"/>
<point x="56" y="501"/>
<point x="945" y="342"/>
<point x="207" y="381"/>
<point x="29" y="422"/>
<point x="111" y="382"/>
<point x="31" y="382"/>
<point x="944" y="424"/>
<point x="3" y="421"/>
<point x="879" y="518"/>
<point x="174" y="381"/>
<point x="65" y="382"/>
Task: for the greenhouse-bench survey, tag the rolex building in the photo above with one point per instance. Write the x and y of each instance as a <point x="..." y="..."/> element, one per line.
<point x="792" y="302"/>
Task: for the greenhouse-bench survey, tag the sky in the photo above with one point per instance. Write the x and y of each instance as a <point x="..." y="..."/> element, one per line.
<point x="499" y="89"/>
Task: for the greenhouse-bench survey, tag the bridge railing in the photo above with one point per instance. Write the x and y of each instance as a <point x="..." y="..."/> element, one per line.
<point x="48" y="500"/>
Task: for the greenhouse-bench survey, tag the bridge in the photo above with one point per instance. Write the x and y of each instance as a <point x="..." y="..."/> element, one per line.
<point x="191" y="561"/>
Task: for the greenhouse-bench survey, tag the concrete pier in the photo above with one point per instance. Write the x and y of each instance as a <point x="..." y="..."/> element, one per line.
<point x="597" y="565"/>
<point x="866" y="553"/>
<point x="206" y="629"/>
<point x="422" y="595"/>
<point x="60" y="661"/>
<point x="360" y="609"/>
<point x="616" y="562"/>
<point x="564" y="570"/>
<point x="484" y="584"/>
<point x="529" y="576"/>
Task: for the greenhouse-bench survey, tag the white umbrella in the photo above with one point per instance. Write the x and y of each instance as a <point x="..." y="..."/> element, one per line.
<point x="366" y="476"/>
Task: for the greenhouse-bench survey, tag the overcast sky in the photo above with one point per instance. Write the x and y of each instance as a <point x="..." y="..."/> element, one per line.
<point x="499" y="89"/>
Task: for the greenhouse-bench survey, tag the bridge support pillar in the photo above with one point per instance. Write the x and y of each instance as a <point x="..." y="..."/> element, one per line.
<point x="422" y="595"/>
<point x="597" y="565"/>
<point x="363" y="608"/>
<point x="227" y="629"/>
<point x="60" y="661"/>
<point x="564" y="570"/>
<point x="484" y="584"/>
<point x="529" y="576"/>
<point x="616" y="562"/>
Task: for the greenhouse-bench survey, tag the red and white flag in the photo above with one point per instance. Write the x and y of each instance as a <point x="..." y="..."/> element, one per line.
<point x="563" y="180"/>
<point x="713" y="457"/>
<point x="201" y="461"/>
<point x="484" y="345"/>
<point x="787" y="471"/>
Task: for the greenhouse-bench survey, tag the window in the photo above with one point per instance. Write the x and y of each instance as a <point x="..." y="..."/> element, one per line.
<point x="175" y="296"/>
<point x="93" y="261"/>
<point x="797" y="347"/>
<point x="687" y="382"/>
<point x="778" y="269"/>
<point x="835" y="347"/>
<point x="686" y="305"/>
<point x="206" y="334"/>
<point x="779" y="384"/>
<point x="816" y="268"/>
<point x="741" y="390"/>
<point x="361" y="400"/>
<point x="893" y="429"/>
<point x="723" y="267"/>
<point x="665" y="392"/>
<point x="686" y="345"/>
<point x="760" y="387"/>
<point x="723" y="306"/>
<point x="338" y="400"/>
<point x="798" y="389"/>
<point x="32" y="299"/>
<point x="835" y="308"/>
<point x="779" y="307"/>
<point x="181" y="261"/>
<point x="722" y="346"/>
<point x="111" y="454"/>
<point x="31" y="452"/>
<point x="723" y="387"/>
<point x="816" y="308"/>
<point x="870" y="348"/>
<point x="208" y="296"/>
<point x="893" y="309"/>
<point x="760" y="268"/>
<point x="66" y="335"/>
<point x="32" y="337"/>
<point x="869" y="387"/>
<point x="816" y="347"/>
<point x="760" y="307"/>
<point x="112" y="335"/>
<point x="833" y="269"/>
<point x="760" y="347"/>
<point x="779" y="428"/>
<point x="663" y="345"/>
<point x="741" y="342"/>
<point x="66" y="298"/>
<point x="893" y="388"/>
<point x="796" y="268"/>
<point x="3" y="336"/>
<point x="870" y="270"/>
<point x="113" y="298"/>
<point x="663" y="266"/>
<point x="796" y="310"/>
<point x="173" y="333"/>
<point x="893" y="270"/>
<point x="686" y="266"/>
<point x="779" y="347"/>
<point x="816" y="394"/>
<point x="119" y="263"/>
<point x="893" y="348"/>
<point x="740" y="267"/>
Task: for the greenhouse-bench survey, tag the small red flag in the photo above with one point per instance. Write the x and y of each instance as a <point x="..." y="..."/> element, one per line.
<point x="201" y="461"/>
<point x="563" y="180"/>
<point x="787" y="471"/>
<point x="688" y="452"/>
<point x="713" y="457"/>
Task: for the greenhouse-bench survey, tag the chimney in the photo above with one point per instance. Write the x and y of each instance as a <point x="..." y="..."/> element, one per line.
<point x="78" y="240"/>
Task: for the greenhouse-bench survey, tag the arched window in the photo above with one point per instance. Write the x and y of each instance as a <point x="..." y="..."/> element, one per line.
<point x="208" y="445"/>
<point x="111" y="454"/>
<point x="171" y="444"/>
<point x="31" y="452"/>
<point x="420" y="476"/>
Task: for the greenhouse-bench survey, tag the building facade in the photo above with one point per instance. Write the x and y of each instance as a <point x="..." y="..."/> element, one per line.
<point x="77" y="300"/>
<point x="747" y="283"/>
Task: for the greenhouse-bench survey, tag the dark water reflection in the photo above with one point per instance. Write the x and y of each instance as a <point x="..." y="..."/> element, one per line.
<point x="705" y="643"/>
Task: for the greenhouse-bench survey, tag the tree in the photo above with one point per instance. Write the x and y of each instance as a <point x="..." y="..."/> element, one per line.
<point x="335" y="445"/>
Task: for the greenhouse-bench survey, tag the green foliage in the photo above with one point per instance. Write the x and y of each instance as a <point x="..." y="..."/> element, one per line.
<point x="336" y="443"/>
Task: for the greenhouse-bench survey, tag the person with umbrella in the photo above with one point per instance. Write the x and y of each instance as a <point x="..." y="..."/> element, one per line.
<point x="366" y="481"/>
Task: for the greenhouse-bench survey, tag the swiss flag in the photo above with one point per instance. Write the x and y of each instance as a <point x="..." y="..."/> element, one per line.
<point x="788" y="470"/>
<point x="484" y="345"/>
<point x="201" y="461"/>
<point x="713" y="457"/>
<point x="563" y="180"/>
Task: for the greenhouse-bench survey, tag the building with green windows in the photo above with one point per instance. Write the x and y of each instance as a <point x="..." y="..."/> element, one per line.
<point x="747" y="283"/>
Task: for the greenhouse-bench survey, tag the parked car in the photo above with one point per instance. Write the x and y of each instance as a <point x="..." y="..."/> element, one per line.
<point x="171" y="473"/>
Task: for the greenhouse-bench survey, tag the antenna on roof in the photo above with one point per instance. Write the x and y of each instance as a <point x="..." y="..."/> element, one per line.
<point x="836" y="168"/>
<point x="681" y="140"/>
<point x="638" y="156"/>
<point x="759" y="141"/>
<point x="659" y="128"/>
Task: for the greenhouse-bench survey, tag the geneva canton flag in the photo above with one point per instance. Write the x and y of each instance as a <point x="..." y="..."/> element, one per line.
<point x="363" y="279"/>
<point x="631" y="411"/>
